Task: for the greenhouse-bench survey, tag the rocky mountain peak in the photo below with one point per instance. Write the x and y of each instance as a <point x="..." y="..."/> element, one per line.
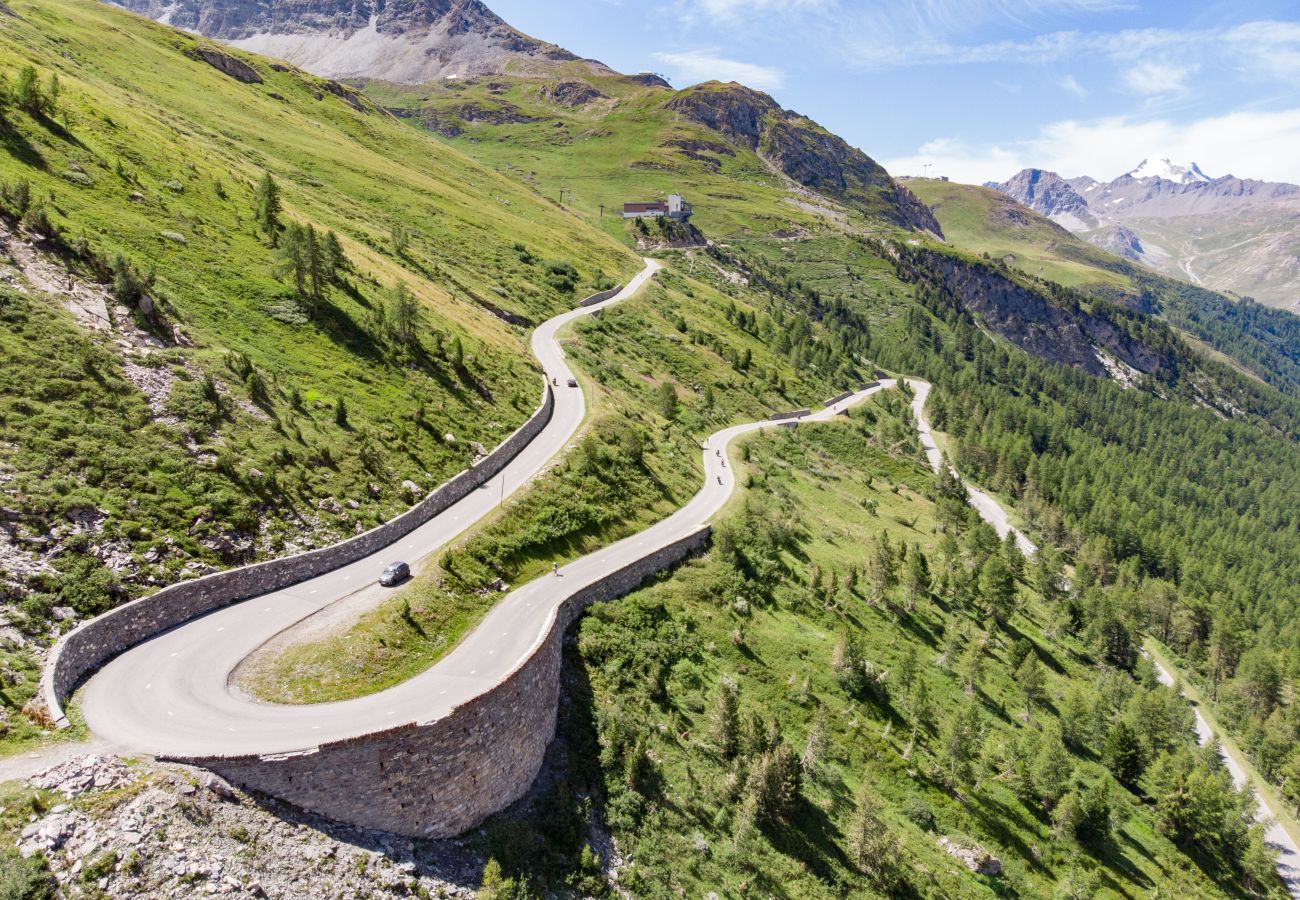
<point x="405" y="41"/>
<point x="802" y="150"/>
<point x="1163" y="168"/>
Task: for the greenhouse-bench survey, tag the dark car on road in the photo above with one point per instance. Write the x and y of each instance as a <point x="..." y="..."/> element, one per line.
<point x="397" y="572"/>
<point x="573" y="382"/>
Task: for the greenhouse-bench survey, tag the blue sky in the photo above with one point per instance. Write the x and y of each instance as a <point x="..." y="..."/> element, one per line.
<point x="982" y="88"/>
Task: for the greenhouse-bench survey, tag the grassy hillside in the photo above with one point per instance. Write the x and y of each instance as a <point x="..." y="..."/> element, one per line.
<point x="983" y="220"/>
<point x="623" y="144"/>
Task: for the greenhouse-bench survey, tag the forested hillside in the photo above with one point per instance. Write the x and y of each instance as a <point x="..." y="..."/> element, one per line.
<point x="246" y="310"/>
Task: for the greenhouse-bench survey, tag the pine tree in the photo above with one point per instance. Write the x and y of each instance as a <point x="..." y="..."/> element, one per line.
<point x="266" y="209"/>
<point x="882" y="568"/>
<point x="917" y="583"/>
<point x="1123" y="754"/>
<point x="815" y="747"/>
<point x="724" y="723"/>
<point x="849" y="665"/>
<point x="1052" y="770"/>
<point x="27" y="92"/>
<point x="668" y="402"/>
<point x="873" y="847"/>
<point x="1032" y="682"/>
<point x="335" y="260"/>
<point x="971" y="666"/>
<point x="403" y="314"/>
<point x="493" y="885"/>
<point x="998" y="589"/>
<point x="959" y="741"/>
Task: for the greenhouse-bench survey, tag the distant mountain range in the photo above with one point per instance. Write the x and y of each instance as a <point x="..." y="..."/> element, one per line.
<point x="1226" y="233"/>
<point x="404" y="41"/>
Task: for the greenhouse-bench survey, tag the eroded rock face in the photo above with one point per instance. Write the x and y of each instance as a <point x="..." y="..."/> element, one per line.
<point x="572" y="93"/>
<point x="803" y="151"/>
<point x="1054" y="333"/>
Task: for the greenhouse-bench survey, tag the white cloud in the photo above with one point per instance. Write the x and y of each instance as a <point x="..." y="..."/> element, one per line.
<point x="1151" y="78"/>
<point x="1071" y="85"/>
<point x="1246" y="144"/>
<point x="1268" y="48"/>
<point x="692" y="66"/>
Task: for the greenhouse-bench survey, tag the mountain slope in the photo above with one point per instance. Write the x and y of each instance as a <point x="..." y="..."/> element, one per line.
<point x="153" y="311"/>
<point x="1226" y="233"/>
<point x="405" y="41"/>
<point x="1266" y="342"/>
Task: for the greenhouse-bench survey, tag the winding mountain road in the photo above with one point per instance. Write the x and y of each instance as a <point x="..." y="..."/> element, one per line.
<point x="173" y="695"/>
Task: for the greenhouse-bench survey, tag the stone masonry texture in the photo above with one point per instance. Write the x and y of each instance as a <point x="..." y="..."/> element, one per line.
<point x="98" y="640"/>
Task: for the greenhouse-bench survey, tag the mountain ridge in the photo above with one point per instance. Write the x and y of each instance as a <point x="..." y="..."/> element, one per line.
<point x="1227" y="233"/>
<point x="405" y="41"/>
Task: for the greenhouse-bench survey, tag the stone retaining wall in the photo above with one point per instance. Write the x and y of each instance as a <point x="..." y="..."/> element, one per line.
<point x="438" y="779"/>
<point x="98" y="640"/>
<point x="601" y="297"/>
<point x="792" y="414"/>
<point x="840" y="398"/>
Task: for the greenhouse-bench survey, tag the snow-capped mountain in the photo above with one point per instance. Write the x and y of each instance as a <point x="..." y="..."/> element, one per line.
<point x="1162" y="167"/>
<point x="1227" y="233"/>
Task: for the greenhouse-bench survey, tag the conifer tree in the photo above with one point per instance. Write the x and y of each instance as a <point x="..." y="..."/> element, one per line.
<point x="266" y="209"/>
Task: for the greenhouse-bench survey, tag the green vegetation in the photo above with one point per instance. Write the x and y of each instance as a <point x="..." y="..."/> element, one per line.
<point x="273" y="368"/>
<point x="631" y="469"/>
<point x="801" y="713"/>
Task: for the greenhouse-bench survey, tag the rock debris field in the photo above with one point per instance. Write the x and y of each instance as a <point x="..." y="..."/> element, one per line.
<point x="119" y="830"/>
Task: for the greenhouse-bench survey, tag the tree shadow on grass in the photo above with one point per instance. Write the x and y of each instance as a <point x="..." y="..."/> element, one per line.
<point x="17" y="146"/>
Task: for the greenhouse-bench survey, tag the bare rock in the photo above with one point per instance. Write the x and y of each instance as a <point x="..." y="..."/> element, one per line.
<point x="227" y="64"/>
<point x="83" y="773"/>
<point x="973" y="857"/>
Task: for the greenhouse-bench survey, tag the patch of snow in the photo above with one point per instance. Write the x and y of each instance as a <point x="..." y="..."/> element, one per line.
<point x="1161" y="167"/>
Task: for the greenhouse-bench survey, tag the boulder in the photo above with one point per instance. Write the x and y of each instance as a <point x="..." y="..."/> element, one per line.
<point x="973" y="857"/>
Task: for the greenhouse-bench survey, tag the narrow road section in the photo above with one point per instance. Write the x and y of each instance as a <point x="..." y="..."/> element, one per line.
<point x="1288" y="860"/>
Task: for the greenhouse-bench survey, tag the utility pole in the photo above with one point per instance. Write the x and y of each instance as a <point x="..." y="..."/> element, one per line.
<point x="927" y="167"/>
<point x="602" y="210"/>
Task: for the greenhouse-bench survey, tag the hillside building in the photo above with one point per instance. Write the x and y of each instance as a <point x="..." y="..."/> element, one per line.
<point x="675" y="207"/>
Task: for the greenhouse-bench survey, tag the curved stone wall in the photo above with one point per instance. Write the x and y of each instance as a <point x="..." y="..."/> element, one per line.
<point x="601" y="297"/>
<point x="438" y="779"/>
<point x="98" y="640"/>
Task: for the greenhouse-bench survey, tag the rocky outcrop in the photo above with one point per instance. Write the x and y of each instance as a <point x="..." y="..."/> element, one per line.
<point x="1062" y="335"/>
<point x="803" y="151"/>
<point x="1120" y="240"/>
<point x="572" y="93"/>
<point x="975" y="858"/>
<point x="177" y="833"/>
<point x="234" y="67"/>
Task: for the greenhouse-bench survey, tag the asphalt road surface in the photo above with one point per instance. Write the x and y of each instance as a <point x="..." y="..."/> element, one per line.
<point x="171" y="694"/>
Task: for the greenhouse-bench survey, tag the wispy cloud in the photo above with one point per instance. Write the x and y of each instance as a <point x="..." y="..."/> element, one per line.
<point x="1151" y="78"/>
<point x="1267" y="48"/>
<point x="1249" y="144"/>
<point x="1071" y="85"/>
<point x="692" y="66"/>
